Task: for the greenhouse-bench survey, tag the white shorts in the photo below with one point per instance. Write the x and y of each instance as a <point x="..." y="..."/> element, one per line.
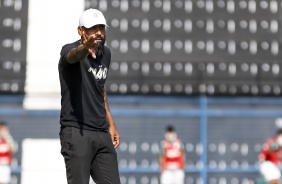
<point x="5" y="174"/>
<point x="172" y="177"/>
<point x="270" y="171"/>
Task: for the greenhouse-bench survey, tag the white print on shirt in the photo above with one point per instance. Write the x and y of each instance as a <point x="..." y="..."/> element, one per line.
<point x="100" y="74"/>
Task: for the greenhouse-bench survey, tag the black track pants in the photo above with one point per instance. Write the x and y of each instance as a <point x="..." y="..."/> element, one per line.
<point x="89" y="153"/>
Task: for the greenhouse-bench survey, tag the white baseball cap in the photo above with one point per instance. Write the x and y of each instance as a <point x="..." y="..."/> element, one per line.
<point x="92" y="17"/>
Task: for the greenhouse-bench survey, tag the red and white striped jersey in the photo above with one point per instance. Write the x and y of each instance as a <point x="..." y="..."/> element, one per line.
<point x="173" y="154"/>
<point x="5" y="153"/>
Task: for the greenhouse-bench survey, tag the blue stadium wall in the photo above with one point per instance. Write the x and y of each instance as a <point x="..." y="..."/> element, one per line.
<point x="222" y="136"/>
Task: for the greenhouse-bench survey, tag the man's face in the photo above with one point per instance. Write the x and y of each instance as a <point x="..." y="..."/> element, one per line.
<point x="3" y="129"/>
<point x="97" y="31"/>
<point x="98" y="34"/>
<point x="170" y="136"/>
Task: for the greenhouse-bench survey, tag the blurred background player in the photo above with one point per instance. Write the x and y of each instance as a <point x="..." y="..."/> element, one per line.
<point x="172" y="158"/>
<point x="6" y="151"/>
<point x="270" y="158"/>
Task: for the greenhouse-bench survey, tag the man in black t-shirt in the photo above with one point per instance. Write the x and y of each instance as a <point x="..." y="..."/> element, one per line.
<point x="88" y="133"/>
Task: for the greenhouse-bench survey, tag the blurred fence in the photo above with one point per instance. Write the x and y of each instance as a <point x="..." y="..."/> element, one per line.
<point x="222" y="136"/>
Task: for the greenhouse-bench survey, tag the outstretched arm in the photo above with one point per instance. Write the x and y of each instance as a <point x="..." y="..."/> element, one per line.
<point x="112" y="127"/>
<point x="87" y="46"/>
<point x="77" y="54"/>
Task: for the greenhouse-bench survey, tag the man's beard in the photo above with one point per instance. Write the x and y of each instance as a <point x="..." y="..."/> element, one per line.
<point x="99" y="49"/>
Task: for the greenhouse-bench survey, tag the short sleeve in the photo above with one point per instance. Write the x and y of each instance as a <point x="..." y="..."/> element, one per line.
<point x="65" y="50"/>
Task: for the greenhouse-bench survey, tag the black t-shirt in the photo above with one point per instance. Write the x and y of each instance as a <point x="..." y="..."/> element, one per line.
<point x="82" y="90"/>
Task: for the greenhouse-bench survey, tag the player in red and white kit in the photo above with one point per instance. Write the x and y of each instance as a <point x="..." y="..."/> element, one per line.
<point x="270" y="158"/>
<point x="172" y="158"/>
<point x="6" y="151"/>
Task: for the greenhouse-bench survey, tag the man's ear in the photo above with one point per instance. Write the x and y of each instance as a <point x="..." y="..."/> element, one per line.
<point x="80" y="30"/>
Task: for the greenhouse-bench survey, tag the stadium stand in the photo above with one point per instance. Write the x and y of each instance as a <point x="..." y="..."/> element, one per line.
<point x="166" y="41"/>
<point x="13" y="25"/>
<point x="212" y="47"/>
